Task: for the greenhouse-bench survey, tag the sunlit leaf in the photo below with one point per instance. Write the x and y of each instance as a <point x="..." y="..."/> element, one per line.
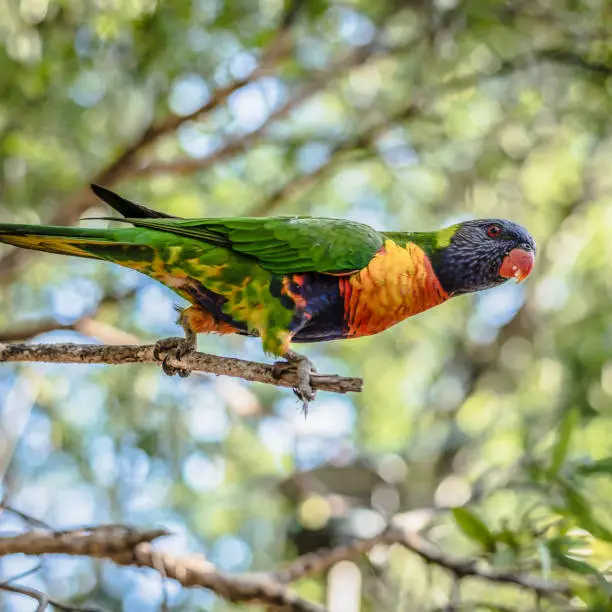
<point x="473" y="527"/>
<point x="561" y="446"/>
<point x="580" y="508"/>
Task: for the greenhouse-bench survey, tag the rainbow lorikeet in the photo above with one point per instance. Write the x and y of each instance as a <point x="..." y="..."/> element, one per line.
<point x="292" y="279"/>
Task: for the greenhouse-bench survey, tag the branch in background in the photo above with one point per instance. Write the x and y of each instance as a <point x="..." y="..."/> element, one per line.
<point x="322" y="561"/>
<point x="124" y="164"/>
<point x="194" y="362"/>
<point x="196" y="571"/>
<point x="127" y="546"/>
<point x="302" y="182"/>
<point x="70" y="211"/>
<point x="86" y="325"/>
<point x="188" y="165"/>
<point x="103" y="541"/>
<point x="567" y="58"/>
<point x="44" y="601"/>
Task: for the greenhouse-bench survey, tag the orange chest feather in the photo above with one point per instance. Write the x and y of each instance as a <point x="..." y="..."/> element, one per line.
<point x="398" y="283"/>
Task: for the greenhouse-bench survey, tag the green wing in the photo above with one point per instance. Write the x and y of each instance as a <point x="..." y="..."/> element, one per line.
<point x="283" y="245"/>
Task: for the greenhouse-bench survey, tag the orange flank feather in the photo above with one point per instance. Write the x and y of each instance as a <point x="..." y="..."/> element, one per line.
<point x="298" y="280"/>
<point x="203" y="322"/>
<point x="399" y="282"/>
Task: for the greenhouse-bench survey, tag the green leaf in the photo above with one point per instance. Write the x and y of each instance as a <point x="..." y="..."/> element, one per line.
<point x="578" y="566"/>
<point x="601" y="466"/>
<point x="582" y="567"/>
<point x="580" y="509"/>
<point x="509" y="538"/>
<point x="473" y="527"/>
<point x="564" y="436"/>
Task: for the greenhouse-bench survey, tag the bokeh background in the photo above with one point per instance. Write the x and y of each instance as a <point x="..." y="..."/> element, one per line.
<point x="402" y="114"/>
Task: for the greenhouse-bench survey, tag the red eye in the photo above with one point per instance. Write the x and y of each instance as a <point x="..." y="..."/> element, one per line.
<point x="494" y="231"/>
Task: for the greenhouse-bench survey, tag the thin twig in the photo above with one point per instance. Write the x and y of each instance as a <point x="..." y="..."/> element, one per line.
<point x="44" y="601"/>
<point x="22" y="575"/>
<point x="194" y="362"/>
<point x="30" y="521"/>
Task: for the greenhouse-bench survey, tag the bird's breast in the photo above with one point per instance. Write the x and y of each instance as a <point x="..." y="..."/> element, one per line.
<point x="399" y="282"/>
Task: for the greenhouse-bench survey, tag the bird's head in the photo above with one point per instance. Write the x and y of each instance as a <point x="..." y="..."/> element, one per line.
<point x="480" y="254"/>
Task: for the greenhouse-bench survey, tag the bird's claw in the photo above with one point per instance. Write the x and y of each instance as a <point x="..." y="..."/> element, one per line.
<point x="304" y="369"/>
<point x="172" y="348"/>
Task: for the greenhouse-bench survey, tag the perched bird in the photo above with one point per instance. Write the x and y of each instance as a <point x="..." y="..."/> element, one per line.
<point x="292" y="279"/>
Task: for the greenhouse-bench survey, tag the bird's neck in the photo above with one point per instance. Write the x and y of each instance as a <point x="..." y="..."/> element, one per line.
<point x="430" y="242"/>
<point x="434" y="246"/>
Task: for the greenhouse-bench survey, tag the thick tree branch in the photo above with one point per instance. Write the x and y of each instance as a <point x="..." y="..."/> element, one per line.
<point x="104" y="541"/>
<point x="321" y="561"/>
<point x="196" y="571"/>
<point x="126" y="546"/>
<point x="195" y="362"/>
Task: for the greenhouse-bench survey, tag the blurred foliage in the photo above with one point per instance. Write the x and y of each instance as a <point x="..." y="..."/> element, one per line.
<point x="487" y="416"/>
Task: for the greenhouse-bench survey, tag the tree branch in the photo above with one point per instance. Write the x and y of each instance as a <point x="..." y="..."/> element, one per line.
<point x="194" y="362"/>
<point x="43" y="600"/>
<point x="103" y="541"/>
<point x="302" y="182"/>
<point x="568" y="58"/>
<point x="197" y="571"/>
<point x="87" y="325"/>
<point x="188" y="165"/>
<point x="321" y="561"/>
<point x="127" y="546"/>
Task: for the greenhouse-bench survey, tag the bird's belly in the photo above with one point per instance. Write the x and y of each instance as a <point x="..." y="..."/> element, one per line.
<point x="319" y="309"/>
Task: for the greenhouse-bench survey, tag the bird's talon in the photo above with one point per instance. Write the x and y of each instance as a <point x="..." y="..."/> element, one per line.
<point x="304" y="369"/>
<point x="172" y="348"/>
<point x="279" y="368"/>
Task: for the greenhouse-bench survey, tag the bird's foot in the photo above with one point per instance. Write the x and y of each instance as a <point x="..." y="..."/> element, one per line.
<point x="304" y="368"/>
<point x="173" y="348"/>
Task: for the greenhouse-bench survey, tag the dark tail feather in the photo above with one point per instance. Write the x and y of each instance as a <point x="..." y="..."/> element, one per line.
<point x="126" y="207"/>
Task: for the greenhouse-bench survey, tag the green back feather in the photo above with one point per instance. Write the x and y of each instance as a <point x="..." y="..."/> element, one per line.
<point x="282" y="245"/>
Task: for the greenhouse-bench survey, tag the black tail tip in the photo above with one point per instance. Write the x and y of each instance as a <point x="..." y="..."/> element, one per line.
<point x="101" y="192"/>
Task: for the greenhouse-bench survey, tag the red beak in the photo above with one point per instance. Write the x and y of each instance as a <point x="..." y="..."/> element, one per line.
<point x="517" y="264"/>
